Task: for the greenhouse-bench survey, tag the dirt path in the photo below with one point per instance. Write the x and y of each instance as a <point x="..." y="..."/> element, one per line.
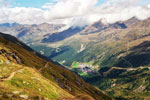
<point x="127" y="69"/>
<point x="11" y="75"/>
<point x="46" y="65"/>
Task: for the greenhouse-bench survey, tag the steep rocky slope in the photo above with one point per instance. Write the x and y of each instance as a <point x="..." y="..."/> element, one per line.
<point x="59" y="36"/>
<point x="25" y="74"/>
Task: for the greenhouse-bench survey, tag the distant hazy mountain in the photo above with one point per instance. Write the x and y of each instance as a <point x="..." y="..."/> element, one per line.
<point x="30" y="33"/>
<point x="9" y="24"/>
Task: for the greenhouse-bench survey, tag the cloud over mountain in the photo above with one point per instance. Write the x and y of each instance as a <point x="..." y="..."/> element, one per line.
<point x="76" y="12"/>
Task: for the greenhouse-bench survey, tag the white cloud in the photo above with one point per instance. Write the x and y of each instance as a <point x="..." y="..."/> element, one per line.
<point x="148" y="6"/>
<point x="47" y="5"/>
<point x="76" y="12"/>
<point x="21" y="15"/>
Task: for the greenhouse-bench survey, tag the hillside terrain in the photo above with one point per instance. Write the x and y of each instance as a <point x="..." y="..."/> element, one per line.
<point x="27" y="75"/>
<point x="115" y="57"/>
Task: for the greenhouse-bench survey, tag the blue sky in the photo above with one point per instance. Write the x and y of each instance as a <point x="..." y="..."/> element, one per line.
<point x="30" y="3"/>
<point x="145" y="2"/>
<point x="36" y="3"/>
<point x="40" y="3"/>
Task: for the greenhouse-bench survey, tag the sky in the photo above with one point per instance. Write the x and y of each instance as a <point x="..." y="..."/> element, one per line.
<point x="31" y="3"/>
<point x="72" y="12"/>
<point x="37" y="3"/>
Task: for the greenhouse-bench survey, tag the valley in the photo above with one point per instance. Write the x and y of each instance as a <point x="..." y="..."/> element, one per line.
<point x="114" y="57"/>
<point x="74" y="49"/>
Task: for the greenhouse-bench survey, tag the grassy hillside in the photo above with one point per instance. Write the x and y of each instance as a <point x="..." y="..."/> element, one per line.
<point x="124" y="83"/>
<point x="25" y="74"/>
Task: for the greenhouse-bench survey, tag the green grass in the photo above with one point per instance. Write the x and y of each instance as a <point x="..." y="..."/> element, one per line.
<point x="75" y="64"/>
<point x="7" y="69"/>
<point x="35" y="84"/>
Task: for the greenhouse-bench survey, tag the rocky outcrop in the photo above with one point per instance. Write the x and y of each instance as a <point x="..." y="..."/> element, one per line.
<point x="11" y="56"/>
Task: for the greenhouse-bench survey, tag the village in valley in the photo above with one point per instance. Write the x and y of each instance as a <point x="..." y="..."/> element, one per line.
<point x="84" y="68"/>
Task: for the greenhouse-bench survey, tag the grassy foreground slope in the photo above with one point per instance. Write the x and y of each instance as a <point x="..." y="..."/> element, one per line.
<point x="24" y="74"/>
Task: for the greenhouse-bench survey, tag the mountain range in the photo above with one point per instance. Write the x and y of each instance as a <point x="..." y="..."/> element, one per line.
<point x="114" y="57"/>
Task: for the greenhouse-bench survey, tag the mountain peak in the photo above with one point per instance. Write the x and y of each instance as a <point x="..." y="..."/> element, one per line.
<point x="9" y="24"/>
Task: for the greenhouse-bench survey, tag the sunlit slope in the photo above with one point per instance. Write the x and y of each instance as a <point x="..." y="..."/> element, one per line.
<point x="24" y="75"/>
